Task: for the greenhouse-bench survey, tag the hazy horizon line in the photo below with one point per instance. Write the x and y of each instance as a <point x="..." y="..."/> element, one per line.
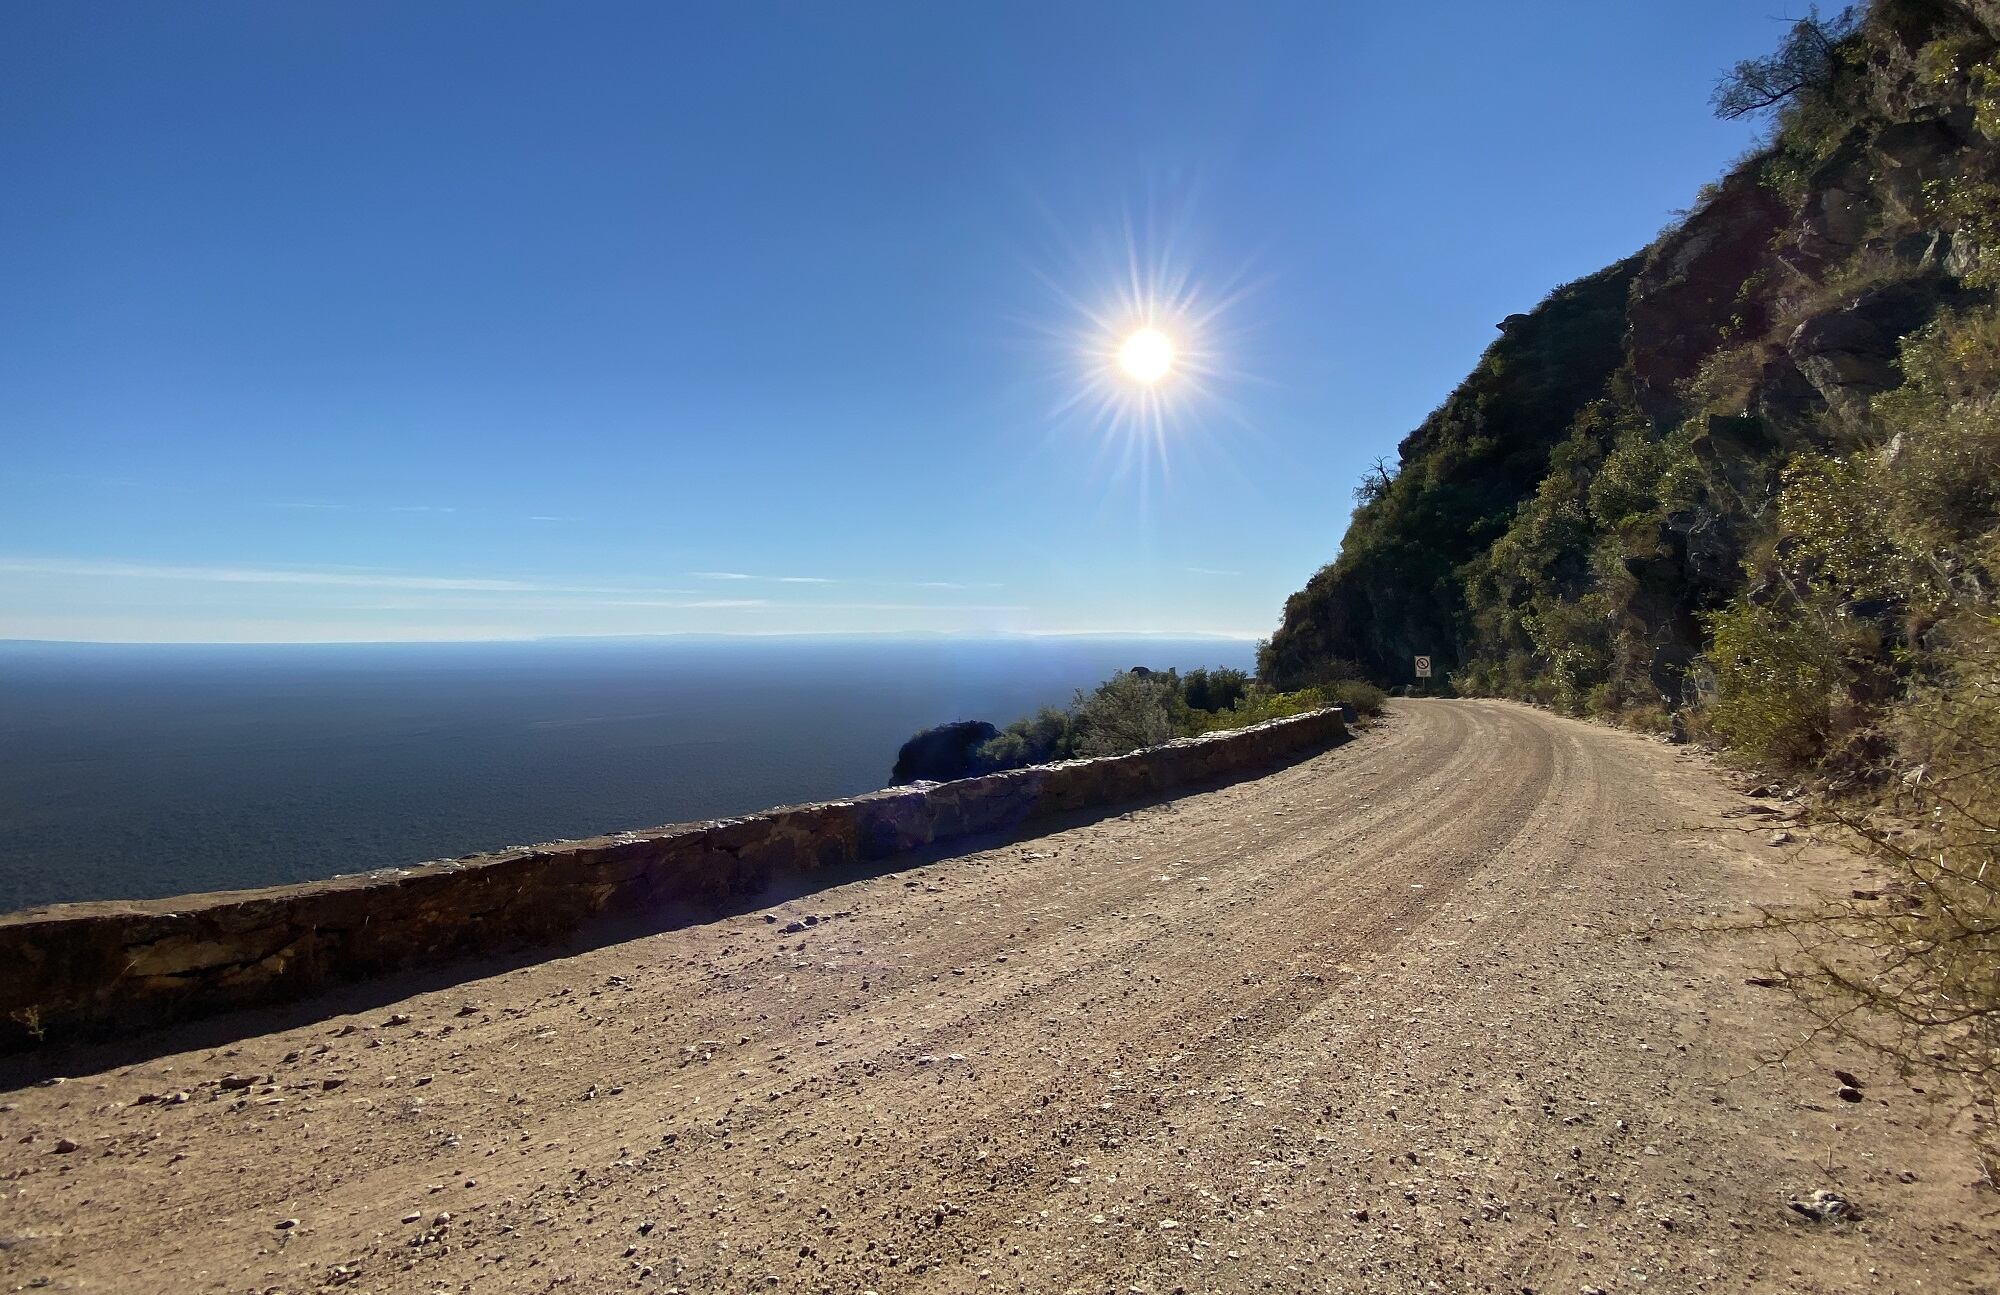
<point x="1226" y="636"/>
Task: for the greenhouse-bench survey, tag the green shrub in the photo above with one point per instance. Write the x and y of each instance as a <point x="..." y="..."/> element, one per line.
<point x="1572" y="647"/>
<point x="1726" y="379"/>
<point x="1048" y="736"/>
<point x="1260" y="704"/>
<point x="1915" y="974"/>
<point x="1800" y="660"/>
<point x="1919" y="977"/>
<point x="1831" y="534"/>
<point x="1139" y="708"/>
<point x="1213" y="690"/>
<point x="1358" y="693"/>
<point x="1126" y="712"/>
<point x="1775" y="679"/>
<point x="1940" y="468"/>
<point x="1643" y="477"/>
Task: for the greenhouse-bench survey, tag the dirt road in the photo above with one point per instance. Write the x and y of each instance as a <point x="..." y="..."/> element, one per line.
<point x="1383" y="1021"/>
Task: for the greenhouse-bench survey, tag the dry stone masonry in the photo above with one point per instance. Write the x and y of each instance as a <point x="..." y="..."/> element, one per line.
<point x="79" y="969"/>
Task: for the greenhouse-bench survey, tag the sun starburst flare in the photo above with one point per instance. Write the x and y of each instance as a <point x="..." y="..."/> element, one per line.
<point x="1147" y="356"/>
<point x="1147" y="351"/>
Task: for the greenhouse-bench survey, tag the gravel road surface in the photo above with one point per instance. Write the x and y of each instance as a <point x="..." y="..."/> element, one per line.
<point x="1423" y="1013"/>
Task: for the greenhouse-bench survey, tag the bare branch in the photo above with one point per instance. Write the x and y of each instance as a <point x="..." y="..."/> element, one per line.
<point x="1803" y="64"/>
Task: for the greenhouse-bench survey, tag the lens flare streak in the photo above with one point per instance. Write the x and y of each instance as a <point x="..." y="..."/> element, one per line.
<point x="1145" y="353"/>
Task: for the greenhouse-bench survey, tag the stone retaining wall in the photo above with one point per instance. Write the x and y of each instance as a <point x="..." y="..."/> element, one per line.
<point x="71" y="969"/>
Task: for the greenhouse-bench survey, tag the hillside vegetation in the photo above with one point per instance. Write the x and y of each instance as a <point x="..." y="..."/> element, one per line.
<point x="1132" y="709"/>
<point x="1746" y="485"/>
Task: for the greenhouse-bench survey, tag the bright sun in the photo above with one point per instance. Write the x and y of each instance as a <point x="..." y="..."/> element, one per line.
<point x="1147" y="356"/>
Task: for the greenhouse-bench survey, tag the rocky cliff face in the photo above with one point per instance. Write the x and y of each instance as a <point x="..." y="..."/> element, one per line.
<point x="1690" y="290"/>
<point x="1396" y="587"/>
<point x="1566" y="523"/>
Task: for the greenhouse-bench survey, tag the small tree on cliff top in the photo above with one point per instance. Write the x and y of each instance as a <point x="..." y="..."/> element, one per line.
<point x="1804" y="64"/>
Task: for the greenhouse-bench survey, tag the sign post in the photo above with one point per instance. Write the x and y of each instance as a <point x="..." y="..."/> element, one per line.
<point x="1423" y="669"/>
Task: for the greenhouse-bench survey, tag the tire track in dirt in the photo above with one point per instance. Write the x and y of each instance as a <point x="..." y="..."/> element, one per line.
<point x="1365" y="1023"/>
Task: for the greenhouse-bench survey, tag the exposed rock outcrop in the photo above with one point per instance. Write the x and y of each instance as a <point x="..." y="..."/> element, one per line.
<point x="1693" y="284"/>
<point x="942" y="753"/>
<point x="1848" y="353"/>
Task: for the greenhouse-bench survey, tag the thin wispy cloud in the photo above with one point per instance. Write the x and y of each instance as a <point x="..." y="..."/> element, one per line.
<point x="699" y="602"/>
<point x="114" y="593"/>
<point x="691" y="604"/>
<point x="352" y="577"/>
<point x="908" y="607"/>
<point x="744" y="575"/>
<point x="69" y="567"/>
<point x="1121" y="632"/>
<point x="959" y="585"/>
<point x="564" y="605"/>
<point x="1211" y="571"/>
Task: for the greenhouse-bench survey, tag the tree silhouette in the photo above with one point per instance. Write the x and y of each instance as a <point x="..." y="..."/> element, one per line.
<point x="1804" y="63"/>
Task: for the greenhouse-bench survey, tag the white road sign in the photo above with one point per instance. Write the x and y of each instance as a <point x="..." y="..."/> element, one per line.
<point x="1423" y="667"/>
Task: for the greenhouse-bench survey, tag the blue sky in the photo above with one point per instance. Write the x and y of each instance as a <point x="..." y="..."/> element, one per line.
<point x="369" y="321"/>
